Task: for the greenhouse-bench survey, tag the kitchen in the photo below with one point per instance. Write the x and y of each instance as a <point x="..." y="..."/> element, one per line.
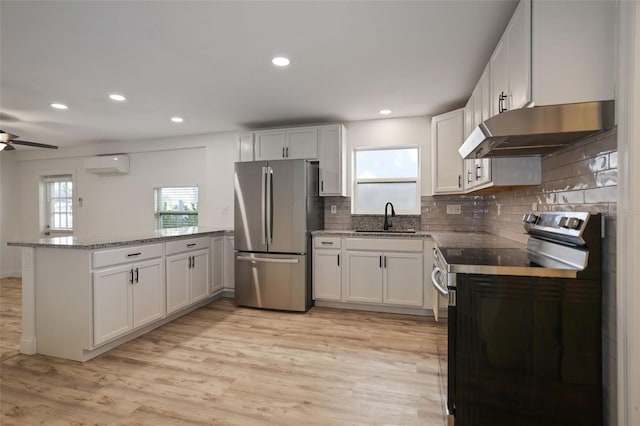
<point x="210" y="161"/>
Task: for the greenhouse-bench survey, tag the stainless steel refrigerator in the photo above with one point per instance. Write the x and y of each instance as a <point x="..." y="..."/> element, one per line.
<point x="277" y="205"/>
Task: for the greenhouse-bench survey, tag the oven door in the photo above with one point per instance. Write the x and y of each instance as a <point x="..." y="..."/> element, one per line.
<point x="438" y="281"/>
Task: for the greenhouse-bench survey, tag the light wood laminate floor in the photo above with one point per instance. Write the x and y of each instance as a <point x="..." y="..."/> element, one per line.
<point x="223" y="365"/>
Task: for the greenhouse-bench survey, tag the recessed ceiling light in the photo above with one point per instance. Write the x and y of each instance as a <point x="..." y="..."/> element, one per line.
<point x="59" y="106"/>
<point x="280" y="61"/>
<point x="177" y="119"/>
<point x="385" y="111"/>
<point x="116" y="97"/>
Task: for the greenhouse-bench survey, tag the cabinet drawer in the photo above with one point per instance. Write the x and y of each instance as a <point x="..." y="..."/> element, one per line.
<point x="327" y="242"/>
<point x="126" y="254"/>
<point x="383" y="244"/>
<point x="189" y="244"/>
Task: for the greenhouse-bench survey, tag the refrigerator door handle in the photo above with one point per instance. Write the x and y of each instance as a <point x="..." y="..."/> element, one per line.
<point x="269" y="206"/>
<point x="266" y="259"/>
<point x="263" y="214"/>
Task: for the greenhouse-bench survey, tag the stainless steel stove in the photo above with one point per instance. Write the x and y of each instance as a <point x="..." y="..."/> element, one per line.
<point x="525" y="325"/>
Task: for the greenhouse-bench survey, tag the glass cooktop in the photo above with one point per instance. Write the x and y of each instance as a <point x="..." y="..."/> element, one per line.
<point x="487" y="257"/>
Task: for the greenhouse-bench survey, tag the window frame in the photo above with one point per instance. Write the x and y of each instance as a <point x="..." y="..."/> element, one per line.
<point x="47" y="208"/>
<point x="158" y="213"/>
<point x="356" y="181"/>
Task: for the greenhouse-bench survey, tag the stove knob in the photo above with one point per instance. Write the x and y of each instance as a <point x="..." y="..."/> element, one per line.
<point x="530" y="218"/>
<point x="563" y="222"/>
<point x="573" y="223"/>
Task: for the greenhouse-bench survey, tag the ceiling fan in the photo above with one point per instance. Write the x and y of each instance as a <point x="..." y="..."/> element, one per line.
<point x="7" y="140"/>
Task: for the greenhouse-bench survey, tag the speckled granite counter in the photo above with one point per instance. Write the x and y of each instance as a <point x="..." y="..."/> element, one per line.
<point x="99" y="242"/>
<point x="391" y="234"/>
<point x="473" y="240"/>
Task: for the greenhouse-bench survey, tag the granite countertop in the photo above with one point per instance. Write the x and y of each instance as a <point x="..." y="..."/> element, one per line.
<point x="473" y="240"/>
<point x="99" y="242"/>
<point x="385" y="234"/>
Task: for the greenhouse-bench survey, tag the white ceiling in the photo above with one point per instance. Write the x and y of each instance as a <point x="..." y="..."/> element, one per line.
<point x="210" y="62"/>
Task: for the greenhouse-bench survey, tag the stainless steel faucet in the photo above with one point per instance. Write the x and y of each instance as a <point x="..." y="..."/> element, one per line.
<point x="387" y="220"/>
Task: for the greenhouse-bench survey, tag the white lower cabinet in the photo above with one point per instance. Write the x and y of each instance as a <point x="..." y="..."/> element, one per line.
<point x="371" y="271"/>
<point x="187" y="279"/>
<point x="229" y="265"/>
<point x="364" y="276"/>
<point x="402" y="279"/>
<point x="217" y="264"/>
<point x="126" y="297"/>
<point x="327" y="275"/>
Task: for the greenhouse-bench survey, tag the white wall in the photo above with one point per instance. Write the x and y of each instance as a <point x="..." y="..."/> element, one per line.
<point x="9" y="256"/>
<point x="116" y="204"/>
<point x="389" y="132"/>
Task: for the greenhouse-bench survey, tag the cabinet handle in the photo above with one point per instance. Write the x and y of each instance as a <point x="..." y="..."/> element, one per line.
<point x="468" y="176"/>
<point x="137" y="276"/>
<point x="501" y="99"/>
<point x="327" y="243"/>
<point x="385" y="262"/>
<point x="322" y="185"/>
<point x="189" y="262"/>
<point x="191" y="245"/>
<point x="287" y="151"/>
<point x="459" y="181"/>
<point x="338" y="260"/>
<point x="193" y="261"/>
<point x="134" y="254"/>
<point x="478" y="172"/>
<point x="381" y="261"/>
<point x="131" y="279"/>
<point x="283" y="152"/>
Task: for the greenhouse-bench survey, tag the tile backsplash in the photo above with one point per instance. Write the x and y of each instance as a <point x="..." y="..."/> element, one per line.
<point x="581" y="177"/>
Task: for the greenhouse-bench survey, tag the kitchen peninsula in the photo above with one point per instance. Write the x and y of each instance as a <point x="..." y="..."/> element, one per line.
<point x="84" y="296"/>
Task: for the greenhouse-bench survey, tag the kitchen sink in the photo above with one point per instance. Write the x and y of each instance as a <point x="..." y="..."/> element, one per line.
<point x="388" y="232"/>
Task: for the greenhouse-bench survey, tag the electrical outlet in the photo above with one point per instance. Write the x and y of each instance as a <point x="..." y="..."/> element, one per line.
<point x="453" y="209"/>
<point x="534" y="207"/>
<point x="498" y="209"/>
<point x="334" y="209"/>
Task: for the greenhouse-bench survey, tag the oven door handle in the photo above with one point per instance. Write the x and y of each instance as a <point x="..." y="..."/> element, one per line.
<point x="435" y="283"/>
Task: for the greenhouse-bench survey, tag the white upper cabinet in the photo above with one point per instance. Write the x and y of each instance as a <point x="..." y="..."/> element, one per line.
<point x="554" y="52"/>
<point x="332" y="153"/>
<point x="245" y="147"/>
<point x="278" y="144"/>
<point x="447" y="131"/>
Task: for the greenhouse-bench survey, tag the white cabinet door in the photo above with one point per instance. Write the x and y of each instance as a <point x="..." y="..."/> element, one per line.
<point x="229" y="264"/>
<point x="332" y="159"/>
<point x="199" y="275"/>
<point x="269" y="145"/>
<point x="403" y="279"/>
<point x="112" y="309"/>
<point x="177" y="281"/>
<point x="500" y="77"/>
<point x="519" y="69"/>
<point x="217" y="262"/>
<point x="482" y="172"/>
<point x="302" y="143"/>
<point x="148" y="292"/>
<point x="447" y="164"/>
<point x="485" y="95"/>
<point x="245" y="147"/>
<point x="363" y="276"/>
<point x="327" y="275"/>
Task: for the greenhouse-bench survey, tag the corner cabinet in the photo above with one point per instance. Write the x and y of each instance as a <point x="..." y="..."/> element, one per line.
<point x="446" y="163"/>
<point x="332" y="154"/>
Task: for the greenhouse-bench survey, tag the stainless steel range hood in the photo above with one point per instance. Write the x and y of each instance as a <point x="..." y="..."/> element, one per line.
<point x="537" y="130"/>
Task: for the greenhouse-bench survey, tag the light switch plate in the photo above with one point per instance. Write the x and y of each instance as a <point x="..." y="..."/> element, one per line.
<point x="334" y="209"/>
<point x="453" y="209"/>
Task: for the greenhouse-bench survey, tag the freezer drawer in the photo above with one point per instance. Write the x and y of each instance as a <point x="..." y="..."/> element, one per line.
<point x="272" y="281"/>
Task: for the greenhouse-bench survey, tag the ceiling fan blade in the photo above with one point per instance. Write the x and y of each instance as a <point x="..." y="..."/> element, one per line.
<point x="36" y="144"/>
<point x="8" y="148"/>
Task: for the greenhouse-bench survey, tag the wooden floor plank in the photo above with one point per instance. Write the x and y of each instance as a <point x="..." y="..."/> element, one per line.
<point x="224" y="365"/>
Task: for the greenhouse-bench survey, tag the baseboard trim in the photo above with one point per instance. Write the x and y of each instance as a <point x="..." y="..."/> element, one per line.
<point x="28" y="346"/>
<point x="376" y="308"/>
<point x="11" y="274"/>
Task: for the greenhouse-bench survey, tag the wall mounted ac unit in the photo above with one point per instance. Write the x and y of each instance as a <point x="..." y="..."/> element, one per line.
<point x="107" y="164"/>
